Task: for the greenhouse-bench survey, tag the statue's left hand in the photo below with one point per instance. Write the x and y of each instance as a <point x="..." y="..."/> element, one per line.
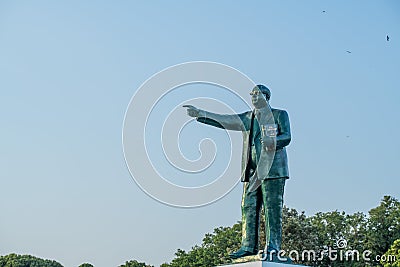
<point x="268" y="143"/>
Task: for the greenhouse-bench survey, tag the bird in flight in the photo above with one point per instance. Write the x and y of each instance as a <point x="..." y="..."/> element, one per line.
<point x="348" y="51"/>
<point x="323" y="11"/>
<point x="387" y="38"/>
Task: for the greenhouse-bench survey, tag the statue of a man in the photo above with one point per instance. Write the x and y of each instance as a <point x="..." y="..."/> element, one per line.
<point x="266" y="133"/>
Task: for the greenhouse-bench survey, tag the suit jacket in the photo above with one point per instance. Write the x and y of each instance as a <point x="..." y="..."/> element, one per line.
<point x="269" y="165"/>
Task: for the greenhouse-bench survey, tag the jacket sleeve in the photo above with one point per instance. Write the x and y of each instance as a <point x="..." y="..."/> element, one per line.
<point x="283" y="138"/>
<point x="237" y="122"/>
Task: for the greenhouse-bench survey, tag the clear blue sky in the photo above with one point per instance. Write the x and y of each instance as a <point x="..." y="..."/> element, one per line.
<point x="69" y="68"/>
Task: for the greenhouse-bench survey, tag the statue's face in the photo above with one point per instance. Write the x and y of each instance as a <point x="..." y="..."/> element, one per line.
<point x="257" y="98"/>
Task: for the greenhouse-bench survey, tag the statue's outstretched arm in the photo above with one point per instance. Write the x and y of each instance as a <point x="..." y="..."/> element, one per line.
<point x="229" y="122"/>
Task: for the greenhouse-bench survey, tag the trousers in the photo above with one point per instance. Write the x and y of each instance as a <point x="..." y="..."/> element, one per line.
<point x="270" y="195"/>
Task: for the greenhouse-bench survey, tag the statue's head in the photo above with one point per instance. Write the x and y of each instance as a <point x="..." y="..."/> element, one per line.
<point x="260" y="95"/>
<point x="266" y="92"/>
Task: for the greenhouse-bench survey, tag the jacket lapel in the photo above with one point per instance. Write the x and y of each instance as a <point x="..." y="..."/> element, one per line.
<point x="257" y="131"/>
<point x="248" y="152"/>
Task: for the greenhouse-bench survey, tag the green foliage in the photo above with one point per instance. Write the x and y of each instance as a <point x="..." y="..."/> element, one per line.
<point x="135" y="263"/>
<point x="14" y="260"/>
<point x="213" y="251"/>
<point x="384" y="226"/>
<point x="331" y="227"/>
<point x="317" y="232"/>
<point x="298" y="233"/>
<point x="392" y="257"/>
<point x="378" y="233"/>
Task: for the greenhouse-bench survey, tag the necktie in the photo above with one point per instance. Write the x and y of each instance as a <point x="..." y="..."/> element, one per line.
<point x="254" y="183"/>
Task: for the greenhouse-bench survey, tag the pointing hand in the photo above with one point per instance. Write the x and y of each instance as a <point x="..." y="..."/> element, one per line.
<point x="192" y="111"/>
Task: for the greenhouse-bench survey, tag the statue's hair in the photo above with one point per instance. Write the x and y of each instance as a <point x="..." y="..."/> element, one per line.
<point x="264" y="90"/>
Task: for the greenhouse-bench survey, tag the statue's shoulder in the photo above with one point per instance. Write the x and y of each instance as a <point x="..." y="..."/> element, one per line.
<point x="246" y="114"/>
<point x="278" y="111"/>
<point x="279" y="114"/>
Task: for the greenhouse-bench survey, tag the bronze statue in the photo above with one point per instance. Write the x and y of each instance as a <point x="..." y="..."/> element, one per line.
<point x="264" y="166"/>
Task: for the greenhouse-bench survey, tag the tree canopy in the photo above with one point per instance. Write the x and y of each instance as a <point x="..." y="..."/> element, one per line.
<point x="15" y="260"/>
<point x="377" y="233"/>
<point x="135" y="263"/>
<point x="392" y="257"/>
<point x="344" y="233"/>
